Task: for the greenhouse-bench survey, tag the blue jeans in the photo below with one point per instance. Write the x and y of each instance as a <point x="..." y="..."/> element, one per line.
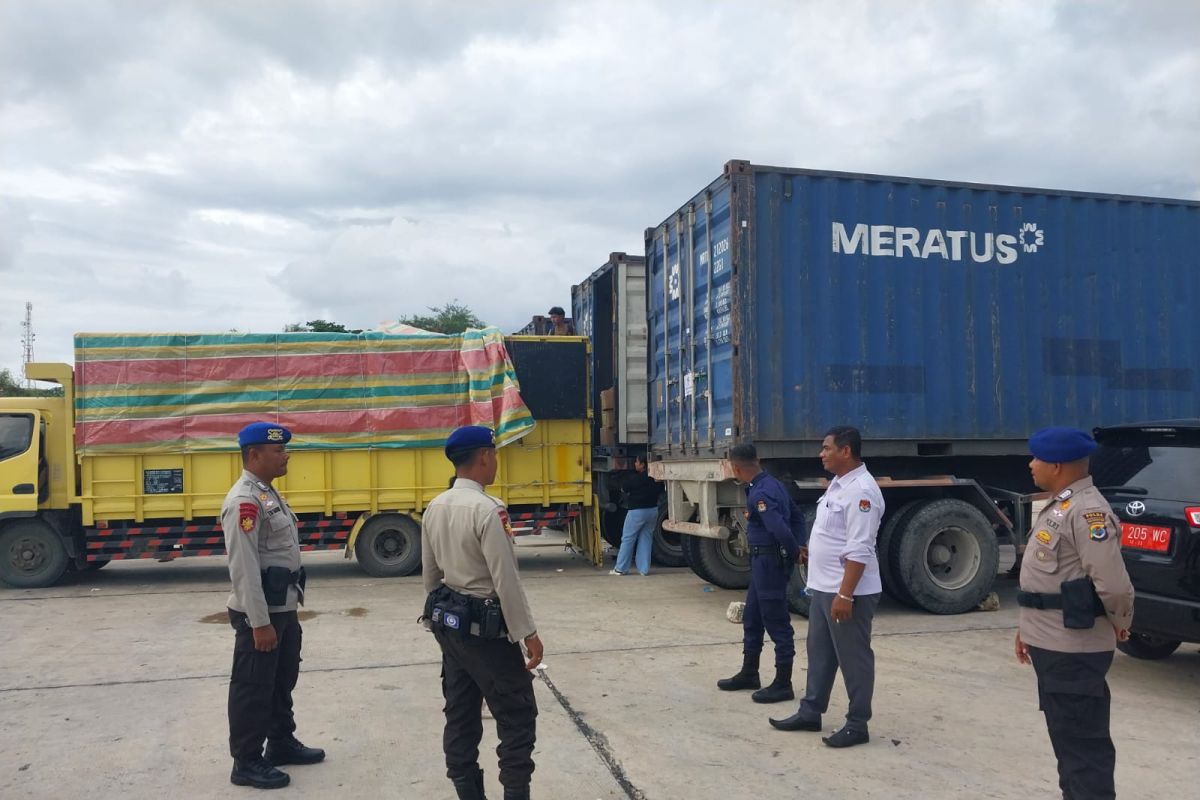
<point x="639" y="530"/>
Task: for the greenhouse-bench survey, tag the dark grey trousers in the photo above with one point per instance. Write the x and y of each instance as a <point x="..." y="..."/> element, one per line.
<point x="840" y="644"/>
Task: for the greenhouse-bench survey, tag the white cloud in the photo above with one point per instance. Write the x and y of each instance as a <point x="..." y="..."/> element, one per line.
<point x="219" y="165"/>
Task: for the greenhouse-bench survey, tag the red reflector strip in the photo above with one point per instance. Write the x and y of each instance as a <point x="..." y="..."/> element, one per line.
<point x="1193" y="515"/>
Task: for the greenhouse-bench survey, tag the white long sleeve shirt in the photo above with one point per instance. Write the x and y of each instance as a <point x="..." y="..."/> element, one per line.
<point x="847" y="524"/>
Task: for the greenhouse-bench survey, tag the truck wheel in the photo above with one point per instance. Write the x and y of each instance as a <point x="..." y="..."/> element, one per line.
<point x="888" y="556"/>
<point x="667" y="547"/>
<point x="1147" y="647"/>
<point x="947" y="557"/>
<point x="611" y="525"/>
<point x="798" y="601"/>
<point x="691" y="555"/>
<point x="32" y="555"/>
<point x="389" y="546"/>
<point x="725" y="562"/>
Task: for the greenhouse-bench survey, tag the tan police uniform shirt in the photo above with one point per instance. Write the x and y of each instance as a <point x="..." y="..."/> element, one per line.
<point x="466" y="543"/>
<point x="260" y="532"/>
<point x="1076" y="536"/>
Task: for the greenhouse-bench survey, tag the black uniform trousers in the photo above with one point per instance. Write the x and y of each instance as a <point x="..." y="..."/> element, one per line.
<point x="767" y="609"/>
<point x="475" y="669"/>
<point x="261" y="684"/>
<point x="1074" y="696"/>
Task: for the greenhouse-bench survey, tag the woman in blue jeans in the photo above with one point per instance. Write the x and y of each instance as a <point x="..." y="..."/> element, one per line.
<point x="639" y="493"/>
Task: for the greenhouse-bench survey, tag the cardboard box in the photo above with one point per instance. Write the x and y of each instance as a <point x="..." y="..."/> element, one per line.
<point x="608" y="437"/>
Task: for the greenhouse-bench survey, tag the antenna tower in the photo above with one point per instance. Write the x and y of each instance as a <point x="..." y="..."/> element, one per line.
<point x="27" y="337"/>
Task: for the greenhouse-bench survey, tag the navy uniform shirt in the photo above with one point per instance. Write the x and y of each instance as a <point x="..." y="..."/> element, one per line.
<point x="769" y="511"/>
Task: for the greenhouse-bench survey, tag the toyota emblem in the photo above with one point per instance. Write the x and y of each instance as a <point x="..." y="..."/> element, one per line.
<point x="1136" y="508"/>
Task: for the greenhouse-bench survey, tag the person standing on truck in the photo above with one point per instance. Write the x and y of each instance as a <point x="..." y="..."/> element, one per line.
<point x="843" y="579"/>
<point x="558" y="325"/>
<point x="1072" y="574"/>
<point x="639" y="493"/>
<point x="263" y="543"/>
<point x="774" y="552"/>
<point x="477" y="610"/>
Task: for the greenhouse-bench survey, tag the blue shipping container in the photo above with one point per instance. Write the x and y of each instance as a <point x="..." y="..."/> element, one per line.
<point x="939" y="318"/>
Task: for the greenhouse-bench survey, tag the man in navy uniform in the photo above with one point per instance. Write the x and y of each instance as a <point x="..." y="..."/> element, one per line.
<point x="263" y="543"/>
<point x="774" y="551"/>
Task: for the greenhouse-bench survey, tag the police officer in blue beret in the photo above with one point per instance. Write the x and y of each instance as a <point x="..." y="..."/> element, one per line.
<point x="774" y="550"/>
<point x="1076" y="602"/>
<point x="478" y="612"/>
<point x="263" y="543"/>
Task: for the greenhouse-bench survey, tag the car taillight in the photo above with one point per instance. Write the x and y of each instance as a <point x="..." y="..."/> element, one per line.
<point x="1193" y="515"/>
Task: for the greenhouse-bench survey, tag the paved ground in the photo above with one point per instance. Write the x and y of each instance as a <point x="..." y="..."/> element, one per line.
<point x="114" y="686"/>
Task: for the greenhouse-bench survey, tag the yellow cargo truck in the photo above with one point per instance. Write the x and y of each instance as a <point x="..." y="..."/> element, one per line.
<point x="81" y="484"/>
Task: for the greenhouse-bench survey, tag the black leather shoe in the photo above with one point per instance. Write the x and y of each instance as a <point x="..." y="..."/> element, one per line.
<point x="258" y="773"/>
<point x="516" y="794"/>
<point x="470" y="786"/>
<point x="796" y="723"/>
<point x="292" y="751"/>
<point x="846" y="738"/>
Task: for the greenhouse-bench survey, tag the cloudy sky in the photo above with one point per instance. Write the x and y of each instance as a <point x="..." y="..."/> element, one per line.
<point x="232" y="164"/>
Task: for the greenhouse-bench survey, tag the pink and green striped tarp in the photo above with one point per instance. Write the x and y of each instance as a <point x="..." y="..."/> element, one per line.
<point x="172" y="392"/>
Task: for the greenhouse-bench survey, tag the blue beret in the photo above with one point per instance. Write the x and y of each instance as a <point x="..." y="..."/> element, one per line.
<point x="263" y="433"/>
<point x="470" y="437"/>
<point x="1061" y="445"/>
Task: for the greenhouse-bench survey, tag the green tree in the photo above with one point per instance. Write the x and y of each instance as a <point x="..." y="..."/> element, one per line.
<point x="320" y="326"/>
<point x="454" y="317"/>
<point x="11" y="387"/>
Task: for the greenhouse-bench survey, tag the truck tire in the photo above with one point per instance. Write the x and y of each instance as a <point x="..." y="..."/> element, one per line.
<point x="32" y="555"/>
<point x="888" y="556"/>
<point x="1147" y="647"/>
<point x="798" y="601"/>
<point x="389" y="546"/>
<point x="611" y="525"/>
<point x="667" y="548"/>
<point x="691" y="549"/>
<point x="725" y="562"/>
<point x="947" y="556"/>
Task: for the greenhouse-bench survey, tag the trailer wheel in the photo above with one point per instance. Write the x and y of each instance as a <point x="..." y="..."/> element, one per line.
<point x="725" y="562"/>
<point x="888" y="552"/>
<point x="667" y="547"/>
<point x="32" y="555"/>
<point x="691" y="548"/>
<point x="947" y="557"/>
<point x="389" y="546"/>
<point x="611" y="525"/>
<point x="798" y="600"/>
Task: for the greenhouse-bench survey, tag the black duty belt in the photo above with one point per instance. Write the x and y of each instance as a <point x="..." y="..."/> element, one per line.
<point x="447" y="609"/>
<point x="1039" y="600"/>
<point x="766" y="550"/>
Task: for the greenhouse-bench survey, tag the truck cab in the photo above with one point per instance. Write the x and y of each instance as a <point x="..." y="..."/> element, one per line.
<point x="37" y="482"/>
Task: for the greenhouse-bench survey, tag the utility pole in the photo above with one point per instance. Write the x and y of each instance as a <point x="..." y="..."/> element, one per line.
<point x="27" y="337"/>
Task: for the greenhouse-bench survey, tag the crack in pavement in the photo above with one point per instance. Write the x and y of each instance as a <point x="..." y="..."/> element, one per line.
<point x="596" y="739"/>
<point x="560" y="653"/>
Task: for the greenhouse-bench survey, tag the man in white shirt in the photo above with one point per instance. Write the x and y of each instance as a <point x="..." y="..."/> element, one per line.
<point x="843" y="578"/>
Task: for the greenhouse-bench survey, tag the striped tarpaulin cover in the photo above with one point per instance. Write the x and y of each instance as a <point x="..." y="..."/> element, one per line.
<point x="178" y="392"/>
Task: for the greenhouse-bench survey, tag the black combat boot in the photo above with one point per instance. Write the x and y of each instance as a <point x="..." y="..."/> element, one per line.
<point x="780" y="688"/>
<point x="291" y="750"/>
<point x="470" y="786"/>
<point x="746" y="679"/>
<point x="257" y="772"/>
<point x="516" y="794"/>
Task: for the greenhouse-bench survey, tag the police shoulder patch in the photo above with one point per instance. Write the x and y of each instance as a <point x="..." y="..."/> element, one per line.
<point x="864" y="505"/>
<point x="1095" y="516"/>
<point x="762" y="506"/>
<point x="247" y="516"/>
<point x="504" y="520"/>
<point x="1097" y="532"/>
